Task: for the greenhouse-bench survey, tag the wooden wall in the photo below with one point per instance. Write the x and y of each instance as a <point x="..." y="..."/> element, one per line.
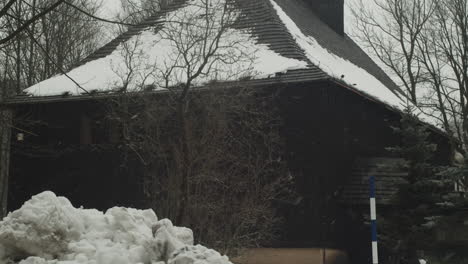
<point x="326" y="128"/>
<point x="69" y="152"/>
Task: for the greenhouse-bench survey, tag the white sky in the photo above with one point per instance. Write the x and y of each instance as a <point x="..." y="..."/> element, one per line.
<point x="347" y="16"/>
<point x="110" y="8"/>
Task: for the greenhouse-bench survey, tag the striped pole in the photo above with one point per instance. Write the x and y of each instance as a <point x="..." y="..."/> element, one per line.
<point x="373" y="215"/>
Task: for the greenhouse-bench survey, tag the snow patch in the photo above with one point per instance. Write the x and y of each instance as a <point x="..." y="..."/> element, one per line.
<point x="48" y="230"/>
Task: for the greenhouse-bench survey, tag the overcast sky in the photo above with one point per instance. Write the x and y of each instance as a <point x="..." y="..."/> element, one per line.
<point x="112" y="7"/>
<point x="347" y="16"/>
<point x="109" y="8"/>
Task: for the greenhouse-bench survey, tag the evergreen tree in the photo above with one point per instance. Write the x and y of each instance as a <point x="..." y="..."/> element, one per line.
<point x="425" y="206"/>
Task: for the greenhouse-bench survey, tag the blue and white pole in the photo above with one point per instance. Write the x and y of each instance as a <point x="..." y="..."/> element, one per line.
<point x="373" y="218"/>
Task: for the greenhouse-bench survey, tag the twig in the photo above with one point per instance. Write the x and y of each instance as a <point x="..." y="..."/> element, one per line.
<point x="53" y="62"/>
<point x="30" y="21"/>
<point x="96" y="17"/>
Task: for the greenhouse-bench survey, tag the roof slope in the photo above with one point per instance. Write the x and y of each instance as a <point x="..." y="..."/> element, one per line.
<point x="258" y="17"/>
<point x="264" y="25"/>
<point x="132" y="31"/>
<point x="258" y="29"/>
<point x="341" y="58"/>
<point x="342" y="46"/>
<point x="291" y="43"/>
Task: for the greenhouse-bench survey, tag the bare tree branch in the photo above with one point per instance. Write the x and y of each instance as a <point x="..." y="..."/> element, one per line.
<point x="7" y="6"/>
<point x="96" y="17"/>
<point x="30" y="21"/>
<point x="52" y="60"/>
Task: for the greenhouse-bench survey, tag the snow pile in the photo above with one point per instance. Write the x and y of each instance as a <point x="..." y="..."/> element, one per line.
<point x="353" y="75"/>
<point x="163" y="53"/>
<point x="48" y="229"/>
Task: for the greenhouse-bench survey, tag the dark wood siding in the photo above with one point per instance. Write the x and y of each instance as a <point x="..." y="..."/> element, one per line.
<point x="70" y="150"/>
<point x="327" y="127"/>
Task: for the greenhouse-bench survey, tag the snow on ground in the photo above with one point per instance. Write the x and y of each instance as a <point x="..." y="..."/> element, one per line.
<point x="146" y="58"/>
<point x="48" y="230"/>
<point x="336" y="67"/>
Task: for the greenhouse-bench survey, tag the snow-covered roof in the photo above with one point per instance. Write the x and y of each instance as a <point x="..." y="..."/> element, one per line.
<point x="150" y="52"/>
<point x="283" y="40"/>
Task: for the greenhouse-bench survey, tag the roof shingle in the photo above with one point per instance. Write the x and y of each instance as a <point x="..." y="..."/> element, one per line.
<point x="262" y="21"/>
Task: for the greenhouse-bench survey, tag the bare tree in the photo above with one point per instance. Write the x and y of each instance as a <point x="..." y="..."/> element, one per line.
<point x="134" y="11"/>
<point x="202" y="50"/>
<point x="26" y="21"/>
<point x="438" y="97"/>
<point x="209" y="155"/>
<point x="425" y="43"/>
<point x="440" y="59"/>
<point x="37" y="39"/>
<point x="391" y="34"/>
<point x="452" y="40"/>
<point x="59" y="41"/>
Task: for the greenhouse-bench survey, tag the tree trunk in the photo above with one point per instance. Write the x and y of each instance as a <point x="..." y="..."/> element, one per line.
<point x="18" y="52"/>
<point x="185" y="167"/>
<point x="6" y="116"/>
<point x="31" y="69"/>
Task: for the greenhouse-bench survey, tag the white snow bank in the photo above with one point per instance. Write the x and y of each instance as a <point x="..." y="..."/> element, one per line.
<point x="352" y="74"/>
<point x="48" y="230"/>
<point x="147" y="58"/>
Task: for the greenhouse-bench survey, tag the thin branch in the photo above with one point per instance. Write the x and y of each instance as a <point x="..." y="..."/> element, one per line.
<point x="53" y="62"/>
<point x="6" y="7"/>
<point x="96" y="17"/>
<point x="30" y="21"/>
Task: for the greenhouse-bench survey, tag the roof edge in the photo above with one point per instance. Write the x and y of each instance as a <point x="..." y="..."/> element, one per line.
<point x="432" y="127"/>
<point x="255" y="83"/>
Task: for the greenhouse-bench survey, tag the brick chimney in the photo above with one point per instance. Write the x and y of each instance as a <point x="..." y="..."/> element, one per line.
<point x="331" y="12"/>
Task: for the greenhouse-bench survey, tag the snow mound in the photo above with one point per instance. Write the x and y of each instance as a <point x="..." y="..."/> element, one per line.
<point x="48" y="229"/>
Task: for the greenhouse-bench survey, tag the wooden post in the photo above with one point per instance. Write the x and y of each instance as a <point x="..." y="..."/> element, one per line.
<point x="6" y="118"/>
<point x="373" y="218"/>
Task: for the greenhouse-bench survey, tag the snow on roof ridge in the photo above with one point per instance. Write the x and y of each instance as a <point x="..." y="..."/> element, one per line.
<point x="347" y="72"/>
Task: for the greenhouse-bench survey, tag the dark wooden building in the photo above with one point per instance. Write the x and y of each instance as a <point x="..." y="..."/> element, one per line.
<point x="336" y="131"/>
